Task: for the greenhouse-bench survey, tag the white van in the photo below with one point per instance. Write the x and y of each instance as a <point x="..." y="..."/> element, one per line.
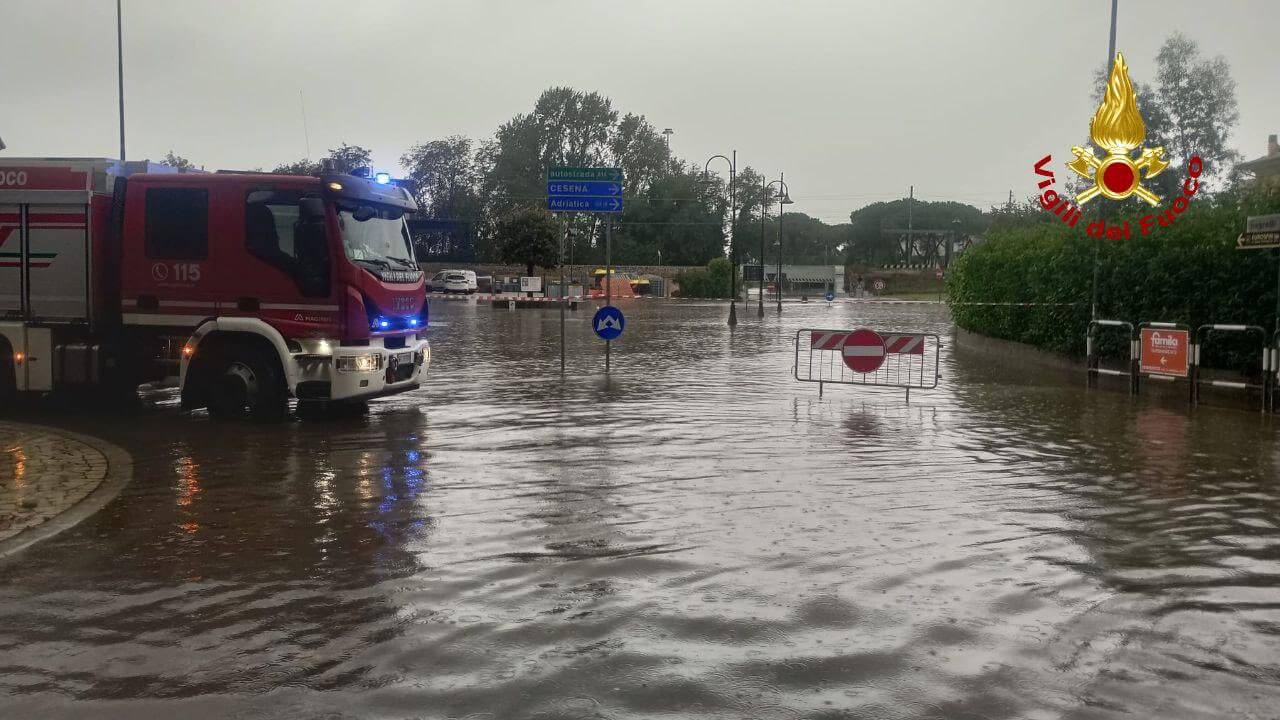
<point x="454" y="281"/>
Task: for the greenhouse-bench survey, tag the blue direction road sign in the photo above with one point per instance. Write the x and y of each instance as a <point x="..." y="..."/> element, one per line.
<point x="573" y="189"/>
<point x="598" y="188"/>
<point x="584" y="204"/>
<point x="830" y="296"/>
<point x="580" y="173"/>
<point x="608" y="322"/>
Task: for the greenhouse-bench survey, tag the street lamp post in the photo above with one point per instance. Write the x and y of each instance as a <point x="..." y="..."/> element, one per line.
<point x="733" y="222"/>
<point x="783" y="199"/>
<point x="764" y="210"/>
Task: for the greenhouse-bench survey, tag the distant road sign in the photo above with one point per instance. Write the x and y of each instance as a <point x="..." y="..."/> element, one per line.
<point x="573" y="189"/>
<point x="608" y="322"/>
<point x="597" y="188"/>
<point x="878" y="285"/>
<point x="1164" y="352"/>
<point x="580" y="173"/>
<point x="863" y="350"/>
<point x="584" y="204"/>
<point x="1260" y="232"/>
<point x="830" y="296"/>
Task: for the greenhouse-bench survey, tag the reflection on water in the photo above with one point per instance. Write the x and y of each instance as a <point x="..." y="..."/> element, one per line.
<point x="695" y="536"/>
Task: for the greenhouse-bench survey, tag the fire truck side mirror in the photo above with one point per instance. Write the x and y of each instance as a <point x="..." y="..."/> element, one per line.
<point x="311" y="209"/>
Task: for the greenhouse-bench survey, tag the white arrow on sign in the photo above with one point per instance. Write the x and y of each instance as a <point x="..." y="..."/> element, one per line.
<point x="613" y="190"/>
<point x="614" y="204"/>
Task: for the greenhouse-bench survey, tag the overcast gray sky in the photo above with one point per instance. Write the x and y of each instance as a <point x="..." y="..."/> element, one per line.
<point x="855" y="101"/>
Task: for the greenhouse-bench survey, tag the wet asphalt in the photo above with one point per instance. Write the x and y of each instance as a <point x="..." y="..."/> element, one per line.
<point x="694" y="535"/>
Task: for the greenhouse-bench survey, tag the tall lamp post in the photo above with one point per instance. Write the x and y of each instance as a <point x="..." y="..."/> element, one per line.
<point x="783" y="199"/>
<point x="733" y="223"/>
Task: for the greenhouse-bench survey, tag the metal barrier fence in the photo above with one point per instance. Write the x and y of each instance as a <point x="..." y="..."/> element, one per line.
<point x="1093" y="361"/>
<point x="1273" y="370"/>
<point x="911" y="360"/>
<point x="1203" y="333"/>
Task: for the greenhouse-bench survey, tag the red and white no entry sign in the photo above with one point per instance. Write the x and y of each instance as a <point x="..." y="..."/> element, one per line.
<point x="863" y="350"/>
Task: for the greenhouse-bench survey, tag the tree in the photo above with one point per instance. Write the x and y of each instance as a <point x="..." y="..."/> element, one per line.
<point x="346" y="158"/>
<point x="566" y="127"/>
<point x="868" y="241"/>
<point x="300" y="167"/>
<point x="529" y="237"/>
<point x="1198" y="99"/>
<point x="1191" y="110"/>
<point x="342" y="159"/>
<point x="445" y="184"/>
<point x="676" y="220"/>
<point x="178" y="161"/>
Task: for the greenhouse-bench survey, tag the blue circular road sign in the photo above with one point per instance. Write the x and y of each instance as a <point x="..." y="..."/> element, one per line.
<point x="830" y="296"/>
<point x="608" y="322"/>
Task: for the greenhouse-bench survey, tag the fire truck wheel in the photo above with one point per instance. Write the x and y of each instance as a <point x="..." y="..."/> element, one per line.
<point x="248" y="382"/>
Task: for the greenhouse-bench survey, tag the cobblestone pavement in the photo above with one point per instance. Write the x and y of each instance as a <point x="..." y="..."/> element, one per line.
<point x="42" y="474"/>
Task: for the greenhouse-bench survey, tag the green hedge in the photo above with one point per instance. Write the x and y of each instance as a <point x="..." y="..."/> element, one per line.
<point x="713" y="282"/>
<point x="1189" y="272"/>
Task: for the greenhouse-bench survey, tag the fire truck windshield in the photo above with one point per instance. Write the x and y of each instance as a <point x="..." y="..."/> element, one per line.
<point x="376" y="235"/>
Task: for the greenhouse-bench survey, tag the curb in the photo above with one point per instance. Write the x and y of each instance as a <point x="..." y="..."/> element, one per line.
<point x="119" y="473"/>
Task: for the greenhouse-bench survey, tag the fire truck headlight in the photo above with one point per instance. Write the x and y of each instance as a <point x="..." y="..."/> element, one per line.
<point x="358" y="363"/>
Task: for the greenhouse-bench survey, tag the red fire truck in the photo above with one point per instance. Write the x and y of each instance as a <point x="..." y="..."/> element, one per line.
<point x="247" y="288"/>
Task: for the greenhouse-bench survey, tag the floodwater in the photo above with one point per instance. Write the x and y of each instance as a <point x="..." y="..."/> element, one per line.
<point x="697" y="535"/>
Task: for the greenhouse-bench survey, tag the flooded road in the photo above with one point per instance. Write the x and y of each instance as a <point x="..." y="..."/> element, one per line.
<point x="696" y="536"/>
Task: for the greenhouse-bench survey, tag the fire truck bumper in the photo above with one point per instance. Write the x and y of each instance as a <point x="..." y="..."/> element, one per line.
<point x="358" y="373"/>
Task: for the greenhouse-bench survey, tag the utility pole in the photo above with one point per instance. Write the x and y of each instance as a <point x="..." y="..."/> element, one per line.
<point x="120" y="72"/>
<point x="911" y="238"/>
<point x="1097" y="246"/>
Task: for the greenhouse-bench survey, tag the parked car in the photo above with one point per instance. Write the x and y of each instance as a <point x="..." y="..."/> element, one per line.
<point x="436" y="282"/>
<point x="453" y="281"/>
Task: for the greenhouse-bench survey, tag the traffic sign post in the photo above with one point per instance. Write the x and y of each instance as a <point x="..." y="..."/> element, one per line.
<point x="1262" y="232"/>
<point x="608" y="323"/>
<point x="582" y="203"/>
<point x="904" y="360"/>
<point x="1164" y="351"/>
<point x="863" y="351"/>
<point x="600" y="188"/>
<point x="593" y="190"/>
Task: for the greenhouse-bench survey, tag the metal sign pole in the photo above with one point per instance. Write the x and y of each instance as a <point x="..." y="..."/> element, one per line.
<point x="563" y="239"/>
<point x="608" y="278"/>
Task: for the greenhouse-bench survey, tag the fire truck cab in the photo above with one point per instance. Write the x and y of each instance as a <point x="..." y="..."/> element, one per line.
<point x="247" y="288"/>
